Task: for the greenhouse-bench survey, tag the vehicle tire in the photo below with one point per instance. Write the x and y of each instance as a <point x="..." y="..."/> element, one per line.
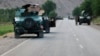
<point x="48" y="30"/>
<point x="89" y="23"/>
<point x="76" y="22"/>
<point x="40" y="34"/>
<point x="80" y="23"/>
<point x="17" y="35"/>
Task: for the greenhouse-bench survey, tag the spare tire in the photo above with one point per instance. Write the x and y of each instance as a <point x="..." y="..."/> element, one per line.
<point x="29" y="23"/>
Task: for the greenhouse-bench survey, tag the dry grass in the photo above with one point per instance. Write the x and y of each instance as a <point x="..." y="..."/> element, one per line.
<point x="97" y="21"/>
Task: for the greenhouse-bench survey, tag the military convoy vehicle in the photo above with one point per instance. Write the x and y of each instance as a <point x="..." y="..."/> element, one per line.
<point x="27" y="24"/>
<point x="31" y="24"/>
<point x="83" y="18"/>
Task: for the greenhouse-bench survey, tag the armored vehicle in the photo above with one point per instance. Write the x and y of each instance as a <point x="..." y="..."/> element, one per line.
<point x="27" y="24"/>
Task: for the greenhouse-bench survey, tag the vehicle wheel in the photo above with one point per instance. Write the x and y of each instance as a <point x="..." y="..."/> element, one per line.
<point x="47" y="30"/>
<point x="17" y="35"/>
<point x="40" y="35"/>
<point x="76" y="23"/>
<point x="89" y="23"/>
<point x="80" y="23"/>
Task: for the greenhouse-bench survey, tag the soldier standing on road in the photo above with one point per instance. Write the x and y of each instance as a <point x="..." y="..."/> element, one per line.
<point x="76" y="19"/>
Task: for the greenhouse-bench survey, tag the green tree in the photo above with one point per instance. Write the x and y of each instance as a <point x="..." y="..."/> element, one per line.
<point x="86" y="5"/>
<point x="96" y="7"/>
<point x="76" y="11"/>
<point x="49" y="6"/>
<point x="52" y="14"/>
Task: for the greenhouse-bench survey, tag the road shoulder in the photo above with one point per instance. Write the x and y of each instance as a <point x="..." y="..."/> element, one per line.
<point x="95" y="26"/>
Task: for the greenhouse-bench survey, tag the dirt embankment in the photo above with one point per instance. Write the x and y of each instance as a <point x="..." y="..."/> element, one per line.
<point x="10" y="35"/>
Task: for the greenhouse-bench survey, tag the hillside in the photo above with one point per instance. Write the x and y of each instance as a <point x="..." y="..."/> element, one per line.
<point x="64" y="7"/>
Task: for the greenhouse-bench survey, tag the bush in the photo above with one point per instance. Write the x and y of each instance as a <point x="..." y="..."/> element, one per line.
<point x="96" y="7"/>
<point x="52" y="14"/>
<point x="96" y="20"/>
<point x="6" y="15"/>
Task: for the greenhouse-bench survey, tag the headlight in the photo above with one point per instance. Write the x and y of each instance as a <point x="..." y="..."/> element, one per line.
<point x="17" y="19"/>
<point x="81" y="17"/>
<point x="88" y="17"/>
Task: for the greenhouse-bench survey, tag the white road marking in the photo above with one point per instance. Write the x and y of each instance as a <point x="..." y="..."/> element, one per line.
<point x="77" y="39"/>
<point x="13" y="48"/>
<point x="74" y="35"/>
<point x="81" y="46"/>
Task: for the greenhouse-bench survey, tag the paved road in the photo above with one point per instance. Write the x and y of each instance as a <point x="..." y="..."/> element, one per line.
<point x="66" y="39"/>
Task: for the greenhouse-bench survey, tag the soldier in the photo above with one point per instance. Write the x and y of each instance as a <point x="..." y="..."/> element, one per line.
<point x="39" y="10"/>
<point x="76" y="19"/>
<point x="28" y="10"/>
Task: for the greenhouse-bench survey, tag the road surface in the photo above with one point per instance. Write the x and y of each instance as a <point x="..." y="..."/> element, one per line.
<point x="66" y="39"/>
